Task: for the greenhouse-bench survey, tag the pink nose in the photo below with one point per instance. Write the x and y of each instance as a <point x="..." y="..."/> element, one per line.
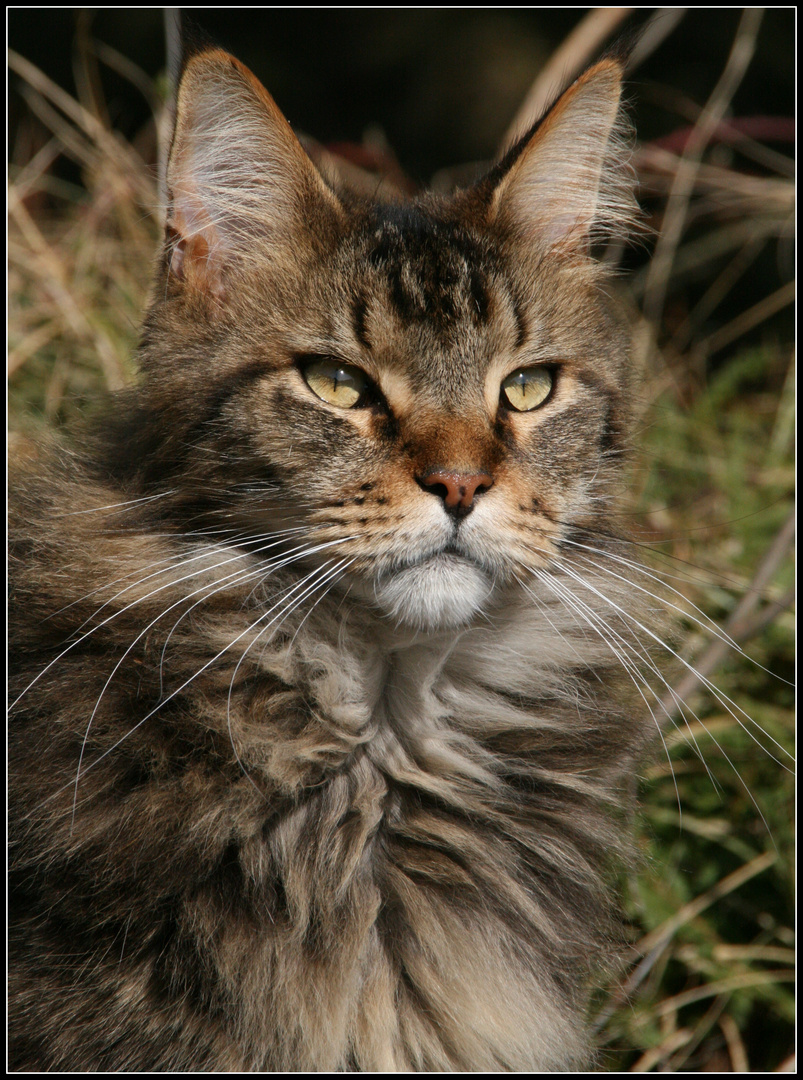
<point x="456" y="489"/>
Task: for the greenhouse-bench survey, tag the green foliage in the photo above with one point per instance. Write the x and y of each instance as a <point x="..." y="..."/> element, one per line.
<point x="716" y="831"/>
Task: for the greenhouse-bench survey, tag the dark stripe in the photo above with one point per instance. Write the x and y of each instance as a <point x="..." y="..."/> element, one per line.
<point x="610" y="438"/>
<point x="408" y="307"/>
<point x="594" y="382"/>
<point x="213" y="406"/>
<point x="522" y="333"/>
<point x="359" y="312"/>
<point x="479" y="295"/>
<point x="225" y="390"/>
<point x="611" y="435"/>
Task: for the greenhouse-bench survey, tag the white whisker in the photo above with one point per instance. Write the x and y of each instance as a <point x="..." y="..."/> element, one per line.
<point x="172" y="583"/>
<point x="721" y="636"/>
<point x="331" y="572"/>
<point x="219" y="585"/>
<point x="129" y="504"/>
<point x="706" y="622"/>
<point x="722" y="698"/>
<point x="165" y="565"/>
<point x="607" y="634"/>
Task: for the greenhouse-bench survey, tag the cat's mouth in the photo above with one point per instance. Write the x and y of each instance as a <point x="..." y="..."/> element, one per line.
<point x="442" y="590"/>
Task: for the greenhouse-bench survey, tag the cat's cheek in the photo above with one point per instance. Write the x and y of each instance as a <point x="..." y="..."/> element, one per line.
<point x="444" y="592"/>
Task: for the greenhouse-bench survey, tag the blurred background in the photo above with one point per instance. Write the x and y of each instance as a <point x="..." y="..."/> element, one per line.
<point x="425" y="97"/>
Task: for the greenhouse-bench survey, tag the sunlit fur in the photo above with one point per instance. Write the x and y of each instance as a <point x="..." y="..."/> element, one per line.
<point x="309" y="772"/>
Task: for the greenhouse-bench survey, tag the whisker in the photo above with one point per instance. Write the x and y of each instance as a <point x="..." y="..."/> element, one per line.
<point x="722" y="698"/>
<point x="166" y="565"/>
<point x="708" y="624"/>
<point x="259" y="573"/>
<point x="83" y="771"/>
<point x="220" y="584"/>
<point x="140" y="600"/>
<point x="543" y="608"/>
<point x="652" y="546"/>
<point x="129" y="504"/>
<point x="601" y="628"/>
<point x="721" y="636"/>
<point x="326" y="578"/>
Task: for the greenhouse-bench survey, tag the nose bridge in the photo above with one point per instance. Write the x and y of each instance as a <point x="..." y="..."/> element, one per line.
<point x="455" y="460"/>
<point x="461" y="445"/>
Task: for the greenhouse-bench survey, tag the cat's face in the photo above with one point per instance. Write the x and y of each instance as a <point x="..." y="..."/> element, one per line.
<point x="431" y="392"/>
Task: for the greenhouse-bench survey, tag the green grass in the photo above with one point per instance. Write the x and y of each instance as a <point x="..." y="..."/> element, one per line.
<point x="716" y="829"/>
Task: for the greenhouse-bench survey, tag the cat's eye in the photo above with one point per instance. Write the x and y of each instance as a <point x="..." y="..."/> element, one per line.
<point x="335" y="382"/>
<point x="528" y="388"/>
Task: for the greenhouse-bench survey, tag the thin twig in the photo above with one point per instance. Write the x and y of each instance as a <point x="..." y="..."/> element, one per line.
<point x="164" y="127"/>
<point x="55" y="280"/>
<point x="717" y="291"/>
<point x="653" y="944"/>
<point x="754" y="315"/>
<point x="654" y="32"/>
<point x="677" y="204"/>
<point x="564" y="64"/>
<point x="739" y="626"/>
<point x="736" y="1048"/>
<point x="114" y="148"/>
<point x="656" y="1054"/>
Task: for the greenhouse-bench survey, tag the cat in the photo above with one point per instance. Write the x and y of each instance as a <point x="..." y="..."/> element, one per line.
<point x="327" y="700"/>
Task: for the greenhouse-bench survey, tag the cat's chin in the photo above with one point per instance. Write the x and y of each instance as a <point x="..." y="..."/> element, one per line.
<point x="443" y="592"/>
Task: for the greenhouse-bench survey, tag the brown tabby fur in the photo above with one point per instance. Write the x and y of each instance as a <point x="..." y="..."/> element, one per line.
<point x="309" y="771"/>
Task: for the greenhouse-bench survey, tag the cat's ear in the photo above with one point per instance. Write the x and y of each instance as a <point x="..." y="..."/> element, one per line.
<point x="238" y="180"/>
<point x="567" y="183"/>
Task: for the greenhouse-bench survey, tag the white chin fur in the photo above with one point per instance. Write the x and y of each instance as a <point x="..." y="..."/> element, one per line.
<point x="445" y="591"/>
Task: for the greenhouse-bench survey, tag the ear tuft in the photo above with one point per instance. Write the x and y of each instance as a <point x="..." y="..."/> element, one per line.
<point x="237" y="177"/>
<point x="568" y="183"/>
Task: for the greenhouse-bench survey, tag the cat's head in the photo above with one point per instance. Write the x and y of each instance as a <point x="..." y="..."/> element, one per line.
<point x="431" y="391"/>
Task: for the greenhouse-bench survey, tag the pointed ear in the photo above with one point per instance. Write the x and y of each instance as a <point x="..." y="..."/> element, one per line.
<point x="237" y="177"/>
<point x="568" y="183"/>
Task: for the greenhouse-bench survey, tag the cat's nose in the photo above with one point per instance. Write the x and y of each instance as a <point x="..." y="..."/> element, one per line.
<point x="457" y="490"/>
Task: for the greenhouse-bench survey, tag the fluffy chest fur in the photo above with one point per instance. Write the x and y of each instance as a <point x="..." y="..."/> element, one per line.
<point x="343" y="844"/>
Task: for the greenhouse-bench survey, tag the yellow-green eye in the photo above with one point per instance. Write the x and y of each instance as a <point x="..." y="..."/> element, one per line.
<point x="338" y="383"/>
<point x="528" y="387"/>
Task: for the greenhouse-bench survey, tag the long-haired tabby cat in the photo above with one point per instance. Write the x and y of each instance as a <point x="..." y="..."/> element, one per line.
<point x="327" y="702"/>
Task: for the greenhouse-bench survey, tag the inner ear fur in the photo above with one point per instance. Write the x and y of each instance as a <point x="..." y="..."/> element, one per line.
<point x="238" y="181"/>
<point x="568" y="183"/>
